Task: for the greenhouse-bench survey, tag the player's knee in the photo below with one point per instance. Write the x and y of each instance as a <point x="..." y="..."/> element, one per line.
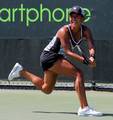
<point x="79" y="74"/>
<point x="79" y="79"/>
<point x="46" y="89"/>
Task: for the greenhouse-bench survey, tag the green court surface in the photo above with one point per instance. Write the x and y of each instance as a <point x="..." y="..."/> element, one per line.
<point x="60" y="105"/>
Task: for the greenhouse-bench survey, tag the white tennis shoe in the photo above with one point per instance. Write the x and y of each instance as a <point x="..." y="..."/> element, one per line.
<point x="87" y="111"/>
<point x="15" y="72"/>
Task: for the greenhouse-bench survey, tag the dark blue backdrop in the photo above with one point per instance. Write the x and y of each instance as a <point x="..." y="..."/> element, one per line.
<point x="19" y="43"/>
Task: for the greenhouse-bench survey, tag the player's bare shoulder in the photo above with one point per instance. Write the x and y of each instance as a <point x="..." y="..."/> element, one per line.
<point x="62" y="32"/>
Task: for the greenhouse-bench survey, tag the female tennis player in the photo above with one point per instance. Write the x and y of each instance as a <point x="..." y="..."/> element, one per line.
<point x="55" y="64"/>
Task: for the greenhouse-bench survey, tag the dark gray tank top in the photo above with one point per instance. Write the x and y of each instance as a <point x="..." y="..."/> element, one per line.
<point x="55" y="45"/>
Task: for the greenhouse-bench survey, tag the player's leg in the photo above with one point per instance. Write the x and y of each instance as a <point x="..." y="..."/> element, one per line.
<point x="46" y="85"/>
<point x="37" y="81"/>
<point x="64" y="67"/>
<point x="49" y="81"/>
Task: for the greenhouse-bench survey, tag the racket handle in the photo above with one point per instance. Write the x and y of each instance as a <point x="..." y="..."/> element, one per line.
<point x="85" y="61"/>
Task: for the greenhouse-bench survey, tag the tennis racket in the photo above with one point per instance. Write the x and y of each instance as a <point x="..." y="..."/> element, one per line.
<point x="82" y="53"/>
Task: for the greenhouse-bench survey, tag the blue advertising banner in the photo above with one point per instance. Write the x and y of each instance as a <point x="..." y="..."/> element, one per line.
<point x="41" y="18"/>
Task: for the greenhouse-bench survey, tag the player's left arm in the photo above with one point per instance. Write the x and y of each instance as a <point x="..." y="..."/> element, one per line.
<point x="91" y="47"/>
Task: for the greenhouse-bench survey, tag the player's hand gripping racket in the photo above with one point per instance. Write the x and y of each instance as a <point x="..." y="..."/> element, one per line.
<point x="80" y="50"/>
<point x="88" y="61"/>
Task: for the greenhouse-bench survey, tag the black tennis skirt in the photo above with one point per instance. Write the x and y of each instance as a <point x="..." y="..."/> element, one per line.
<point x="48" y="58"/>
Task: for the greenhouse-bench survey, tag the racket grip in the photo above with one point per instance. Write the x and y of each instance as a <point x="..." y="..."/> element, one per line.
<point x="85" y="61"/>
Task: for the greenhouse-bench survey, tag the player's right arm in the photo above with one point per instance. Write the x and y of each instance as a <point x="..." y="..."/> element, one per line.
<point x="63" y="35"/>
